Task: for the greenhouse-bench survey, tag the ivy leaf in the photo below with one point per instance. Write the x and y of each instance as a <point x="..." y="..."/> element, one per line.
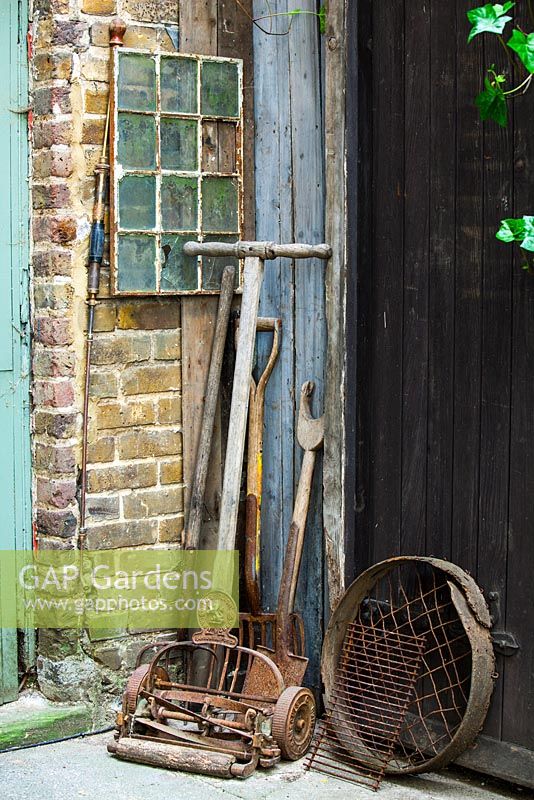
<point x="528" y="240"/>
<point x="519" y="230"/>
<point x="490" y="18"/>
<point x="322" y="19"/>
<point x="511" y="230"/>
<point x="492" y="103"/>
<point x="523" y="45"/>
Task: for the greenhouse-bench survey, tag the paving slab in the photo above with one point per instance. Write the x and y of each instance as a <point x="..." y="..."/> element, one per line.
<point x="82" y="768"/>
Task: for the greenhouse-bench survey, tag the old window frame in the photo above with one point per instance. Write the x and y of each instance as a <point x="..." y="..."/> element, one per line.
<point x="199" y="174"/>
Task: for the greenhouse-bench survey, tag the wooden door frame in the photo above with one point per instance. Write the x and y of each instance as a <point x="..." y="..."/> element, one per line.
<point x="19" y="265"/>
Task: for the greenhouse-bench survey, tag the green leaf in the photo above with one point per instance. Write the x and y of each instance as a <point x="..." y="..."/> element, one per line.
<point x="492" y="103"/>
<point x="490" y="18"/>
<point x="528" y="240"/>
<point x="511" y="230"/>
<point x="520" y="230"/>
<point x="322" y="18"/>
<point x="523" y="45"/>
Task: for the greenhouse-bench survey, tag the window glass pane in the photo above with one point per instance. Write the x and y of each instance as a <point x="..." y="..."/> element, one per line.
<point x="137" y="202"/>
<point x="136" y="263"/>
<point x="179" y="144"/>
<point x="212" y="268"/>
<point x="136" y="148"/>
<point x="179" y="85"/>
<point x="137" y="82"/>
<point x="179" y="203"/>
<point x="178" y="271"/>
<point x="219" y="204"/>
<point x="220" y="89"/>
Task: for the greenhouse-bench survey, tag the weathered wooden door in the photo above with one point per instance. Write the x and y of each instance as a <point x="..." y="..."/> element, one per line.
<point x="443" y="329"/>
<point x="14" y="364"/>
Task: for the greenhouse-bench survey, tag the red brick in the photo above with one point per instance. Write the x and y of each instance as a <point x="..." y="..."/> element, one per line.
<point x="57" y="394"/>
<point x="52" y="262"/>
<point x="59" y="230"/>
<point x="49" y="132"/>
<point x="58" y="460"/>
<point x="53" y="330"/>
<point x="53" y="363"/>
<point x="52" y="66"/>
<point x="56" y="296"/>
<point x="51" y="100"/>
<point x="54" y="424"/>
<point x="56" y="523"/>
<point x="68" y="32"/>
<point x="55" y="493"/>
<point x="149" y="315"/>
<point x="55" y="195"/>
<point x="56" y="163"/>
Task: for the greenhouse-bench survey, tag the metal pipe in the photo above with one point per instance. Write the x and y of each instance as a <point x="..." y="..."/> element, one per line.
<point x="96" y="255"/>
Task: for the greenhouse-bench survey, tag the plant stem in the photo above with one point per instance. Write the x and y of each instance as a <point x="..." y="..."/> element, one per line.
<point x="518" y="88"/>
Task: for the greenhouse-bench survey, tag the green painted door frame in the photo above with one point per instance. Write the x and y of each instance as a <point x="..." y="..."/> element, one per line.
<point x="15" y="474"/>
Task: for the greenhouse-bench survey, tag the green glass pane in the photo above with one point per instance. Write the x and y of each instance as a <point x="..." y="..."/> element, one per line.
<point x="137" y="202"/>
<point x="219" y="204"/>
<point x="137" y="82"/>
<point x="220" y="89"/>
<point x="212" y="268"/>
<point x="178" y="271"/>
<point x="179" y="144"/>
<point x="179" y="203"/>
<point x="136" y="147"/>
<point x="179" y="85"/>
<point x="136" y="263"/>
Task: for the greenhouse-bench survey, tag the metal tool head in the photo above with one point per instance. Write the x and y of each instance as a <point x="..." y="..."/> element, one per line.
<point x="310" y="431"/>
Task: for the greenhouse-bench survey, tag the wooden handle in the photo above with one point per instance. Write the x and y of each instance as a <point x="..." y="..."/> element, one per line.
<point x="263" y="250"/>
<point x="192" y="536"/>
<point x="237" y="428"/>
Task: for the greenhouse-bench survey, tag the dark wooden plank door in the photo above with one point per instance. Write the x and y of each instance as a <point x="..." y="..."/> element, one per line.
<point x="444" y="322"/>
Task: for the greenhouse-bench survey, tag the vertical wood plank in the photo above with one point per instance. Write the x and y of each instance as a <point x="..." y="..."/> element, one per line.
<point x="495" y="374"/>
<point x="418" y="126"/>
<point x="274" y="223"/>
<point x="235" y="37"/>
<point x="441" y="281"/>
<point x="518" y="701"/>
<point x="198" y="27"/>
<point x="198" y="34"/>
<point x="360" y="278"/>
<point x="337" y="513"/>
<point x="468" y="314"/>
<point x="387" y="303"/>
<point x="310" y="322"/>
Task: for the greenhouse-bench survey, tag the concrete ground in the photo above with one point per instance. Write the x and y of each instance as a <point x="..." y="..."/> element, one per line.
<point x="82" y="768"/>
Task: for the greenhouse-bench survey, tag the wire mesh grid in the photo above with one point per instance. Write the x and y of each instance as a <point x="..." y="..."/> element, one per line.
<point x="373" y="686"/>
<point x="414" y="599"/>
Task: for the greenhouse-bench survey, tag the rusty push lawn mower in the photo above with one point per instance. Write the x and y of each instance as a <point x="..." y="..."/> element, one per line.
<point x="249" y="709"/>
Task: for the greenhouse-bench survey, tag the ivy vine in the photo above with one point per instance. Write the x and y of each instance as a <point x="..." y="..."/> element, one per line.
<point x="493" y="100"/>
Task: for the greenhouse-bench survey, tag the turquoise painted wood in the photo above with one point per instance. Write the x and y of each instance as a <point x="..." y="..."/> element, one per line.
<point x="15" y="531"/>
<point x="290" y="207"/>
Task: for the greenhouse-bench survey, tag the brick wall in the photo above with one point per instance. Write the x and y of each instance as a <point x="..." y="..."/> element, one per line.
<point x="135" y="451"/>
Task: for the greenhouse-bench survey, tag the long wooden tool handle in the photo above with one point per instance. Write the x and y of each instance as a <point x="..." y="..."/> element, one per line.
<point x="300" y="515"/>
<point x="192" y="536"/>
<point x="263" y="250"/>
<point x="237" y="427"/>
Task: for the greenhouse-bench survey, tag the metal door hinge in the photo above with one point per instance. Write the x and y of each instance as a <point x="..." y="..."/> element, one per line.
<point x="504" y="643"/>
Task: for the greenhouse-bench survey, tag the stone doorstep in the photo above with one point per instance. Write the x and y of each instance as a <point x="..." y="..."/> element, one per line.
<point x="34" y="720"/>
